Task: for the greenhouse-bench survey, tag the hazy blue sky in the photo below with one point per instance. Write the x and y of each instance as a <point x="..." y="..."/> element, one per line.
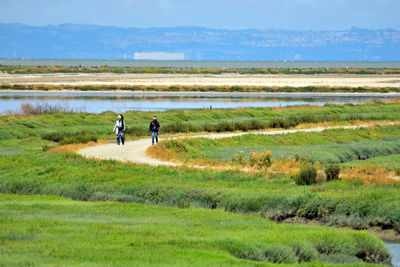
<point x="229" y="14"/>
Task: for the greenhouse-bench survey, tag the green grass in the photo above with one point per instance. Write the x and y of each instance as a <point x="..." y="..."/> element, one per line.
<point x="177" y="121"/>
<point x="30" y="170"/>
<point x="391" y="162"/>
<point x="329" y="146"/>
<point x="41" y="231"/>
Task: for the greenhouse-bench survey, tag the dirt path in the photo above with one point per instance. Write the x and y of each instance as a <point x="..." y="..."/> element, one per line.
<point x="135" y="151"/>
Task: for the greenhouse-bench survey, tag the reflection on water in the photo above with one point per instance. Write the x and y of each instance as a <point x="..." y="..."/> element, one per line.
<point x="394" y="250"/>
<point x="98" y="104"/>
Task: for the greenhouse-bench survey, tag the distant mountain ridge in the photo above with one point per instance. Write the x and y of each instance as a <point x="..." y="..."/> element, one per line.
<point x="79" y="41"/>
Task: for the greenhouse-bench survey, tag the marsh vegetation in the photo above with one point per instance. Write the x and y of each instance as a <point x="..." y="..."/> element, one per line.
<point x="43" y="188"/>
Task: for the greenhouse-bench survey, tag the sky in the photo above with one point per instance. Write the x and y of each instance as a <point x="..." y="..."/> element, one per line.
<point x="218" y="14"/>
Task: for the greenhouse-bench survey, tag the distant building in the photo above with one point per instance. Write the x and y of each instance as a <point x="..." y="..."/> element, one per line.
<point x="158" y="56"/>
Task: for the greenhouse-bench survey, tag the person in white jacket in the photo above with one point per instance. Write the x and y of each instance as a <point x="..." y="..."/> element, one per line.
<point x="119" y="129"/>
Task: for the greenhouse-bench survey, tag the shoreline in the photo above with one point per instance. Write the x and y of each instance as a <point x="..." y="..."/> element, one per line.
<point x="124" y="93"/>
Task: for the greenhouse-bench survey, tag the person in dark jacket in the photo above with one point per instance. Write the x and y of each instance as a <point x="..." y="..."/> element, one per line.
<point x="154" y="128"/>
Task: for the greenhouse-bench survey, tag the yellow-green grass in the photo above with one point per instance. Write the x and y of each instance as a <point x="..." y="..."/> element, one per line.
<point x="391" y="162"/>
<point x="54" y="231"/>
<point x="26" y="168"/>
<point x="329" y="146"/>
<point x="179" y="121"/>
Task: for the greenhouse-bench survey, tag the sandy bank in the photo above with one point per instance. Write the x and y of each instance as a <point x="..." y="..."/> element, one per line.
<point x="270" y="80"/>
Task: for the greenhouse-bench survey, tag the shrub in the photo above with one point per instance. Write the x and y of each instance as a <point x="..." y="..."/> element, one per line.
<point x="183" y="203"/>
<point x="307" y="175"/>
<point x="70" y="138"/>
<point x="239" y="158"/>
<point x="242" y="126"/>
<point x="332" y="172"/>
<point x="271" y="252"/>
<point x="305" y="252"/>
<point x="279" y="253"/>
<point x="260" y="160"/>
<point x="79" y="139"/>
<point x="135" y="130"/>
<point x="45" y="148"/>
<point x="28" y="109"/>
<point x="225" y="126"/>
<point x="179" y="127"/>
<point x="256" y="125"/>
<point x="299" y="157"/>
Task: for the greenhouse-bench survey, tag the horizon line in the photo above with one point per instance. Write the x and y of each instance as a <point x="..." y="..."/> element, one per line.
<point x="199" y="27"/>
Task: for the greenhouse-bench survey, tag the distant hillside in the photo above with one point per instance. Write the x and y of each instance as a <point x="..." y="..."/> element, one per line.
<point x="70" y="41"/>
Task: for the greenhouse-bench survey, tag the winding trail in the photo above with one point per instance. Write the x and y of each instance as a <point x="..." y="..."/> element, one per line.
<point x="135" y="151"/>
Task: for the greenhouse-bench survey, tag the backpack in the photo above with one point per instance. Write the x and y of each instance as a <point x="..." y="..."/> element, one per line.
<point x="121" y="128"/>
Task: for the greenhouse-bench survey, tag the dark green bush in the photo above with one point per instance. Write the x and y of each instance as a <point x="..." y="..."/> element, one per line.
<point x="279" y="253"/>
<point x="225" y="126"/>
<point x="180" y="127"/>
<point x="271" y="252"/>
<point x="70" y="137"/>
<point x="136" y="131"/>
<point x="78" y="139"/>
<point x="305" y="252"/>
<point x="332" y="172"/>
<point x="307" y="175"/>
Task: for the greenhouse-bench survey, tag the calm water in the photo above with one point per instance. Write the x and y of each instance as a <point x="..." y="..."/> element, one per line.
<point x="203" y="64"/>
<point x="95" y="103"/>
<point x="394" y="250"/>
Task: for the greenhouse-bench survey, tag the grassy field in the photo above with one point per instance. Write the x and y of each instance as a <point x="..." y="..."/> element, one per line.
<point x="330" y="146"/>
<point x="176" y="121"/>
<point x="189" y="235"/>
<point x="26" y="167"/>
<point x="41" y="231"/>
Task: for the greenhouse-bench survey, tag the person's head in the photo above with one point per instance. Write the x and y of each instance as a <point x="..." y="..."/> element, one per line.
<point x="119" y="117"/>
<point x="154" y="118"/>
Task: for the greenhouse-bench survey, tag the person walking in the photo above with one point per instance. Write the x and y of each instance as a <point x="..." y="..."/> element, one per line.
<point x="119" y="129"/>
<point x="154" y="128"/>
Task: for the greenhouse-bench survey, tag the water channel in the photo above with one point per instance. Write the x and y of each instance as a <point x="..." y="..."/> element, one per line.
<point x="95" y="102"/>
<point x="394" y="250"/>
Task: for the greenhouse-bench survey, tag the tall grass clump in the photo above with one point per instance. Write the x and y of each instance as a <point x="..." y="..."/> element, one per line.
<point x="307" y="175"/>
<point x="65" y="138"/>
<point x="29" y="109"/>
<point x="180" y="127"/>
<point x="332" y="172"/>
<point x="259" y="160"/>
